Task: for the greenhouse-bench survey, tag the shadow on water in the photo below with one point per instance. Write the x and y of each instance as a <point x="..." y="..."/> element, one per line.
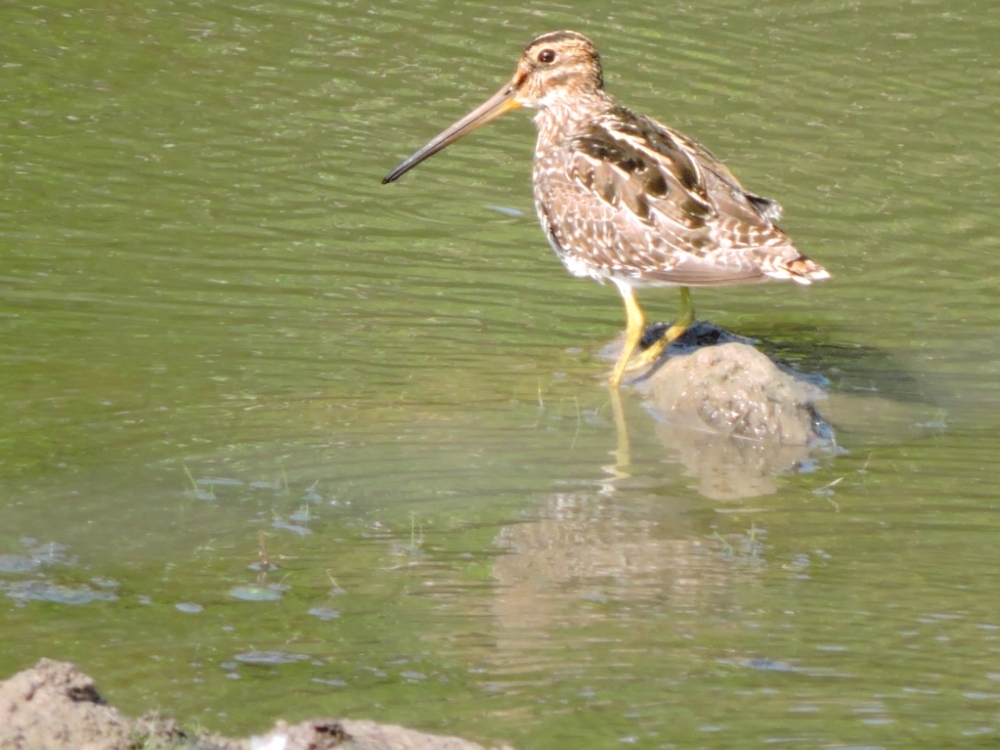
<point x="854" y="368"/>
<point x="736" y="417"/>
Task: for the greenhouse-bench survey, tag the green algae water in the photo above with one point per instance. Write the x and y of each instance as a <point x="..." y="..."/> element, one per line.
<point x="279" y="440"/>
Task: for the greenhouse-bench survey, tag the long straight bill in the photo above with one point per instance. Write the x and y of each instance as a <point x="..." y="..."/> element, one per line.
<point x="496" y="105"/>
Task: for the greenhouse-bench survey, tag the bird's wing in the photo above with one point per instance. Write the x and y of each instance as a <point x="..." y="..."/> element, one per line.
<point x="675" y="212"/>
<point x="765" y="207"/>
<point x="697" y="169"/>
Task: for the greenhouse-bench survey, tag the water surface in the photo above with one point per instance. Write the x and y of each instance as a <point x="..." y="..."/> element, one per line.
<point x="278" y="439"/>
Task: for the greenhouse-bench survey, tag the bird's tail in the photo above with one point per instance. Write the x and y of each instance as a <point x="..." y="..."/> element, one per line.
<point x="798" y="268"/>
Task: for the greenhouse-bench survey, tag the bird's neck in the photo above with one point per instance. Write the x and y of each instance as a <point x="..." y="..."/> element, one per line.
<point x="562" y="116"/>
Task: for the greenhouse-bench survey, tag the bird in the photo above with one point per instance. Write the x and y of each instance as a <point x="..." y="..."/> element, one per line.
<point x="624" y="198"/>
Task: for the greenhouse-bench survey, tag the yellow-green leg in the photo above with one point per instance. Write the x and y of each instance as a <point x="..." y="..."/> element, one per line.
<point x="684" y="319"/>
<point x="623" y="451"/>
<point x="621" y="469"/>
<point x="633" y="332"/>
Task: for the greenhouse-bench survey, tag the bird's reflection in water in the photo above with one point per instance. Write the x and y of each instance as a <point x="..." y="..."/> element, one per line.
<point x="728" y="413"/>
<point x="584" y="548"/>
<point x="735" y="420"/>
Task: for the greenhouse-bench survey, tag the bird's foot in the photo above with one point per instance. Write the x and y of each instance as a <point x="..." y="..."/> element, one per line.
<point x="654" y="342"/>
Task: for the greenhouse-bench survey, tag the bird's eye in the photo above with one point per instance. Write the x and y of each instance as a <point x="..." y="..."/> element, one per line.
<point x="547" y="56"/>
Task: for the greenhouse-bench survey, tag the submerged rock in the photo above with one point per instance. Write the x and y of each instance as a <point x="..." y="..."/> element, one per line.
<point x="734" y="418"/>
<point x="737" y="391"/>
<point x="55" y="706"/>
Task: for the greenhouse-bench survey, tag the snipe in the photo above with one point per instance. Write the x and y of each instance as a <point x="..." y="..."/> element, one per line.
<point x="623" y="197"/>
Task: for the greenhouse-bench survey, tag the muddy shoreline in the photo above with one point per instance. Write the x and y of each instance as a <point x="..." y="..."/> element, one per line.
<point x="55" y="706"/>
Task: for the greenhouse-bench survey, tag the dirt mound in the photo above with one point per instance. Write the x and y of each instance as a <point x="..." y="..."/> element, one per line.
<point x="55" y="706"/>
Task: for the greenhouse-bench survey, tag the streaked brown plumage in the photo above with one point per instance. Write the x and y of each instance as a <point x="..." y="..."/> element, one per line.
<point x="624" y="198"/>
